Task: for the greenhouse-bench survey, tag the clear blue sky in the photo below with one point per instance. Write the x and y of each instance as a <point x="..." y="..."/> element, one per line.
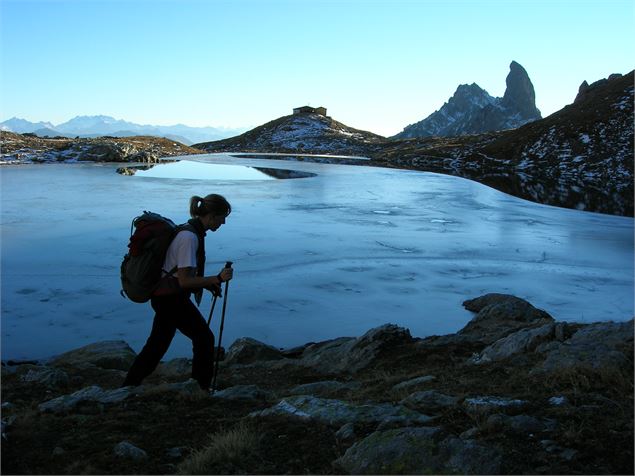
<point x="376" y="65"/>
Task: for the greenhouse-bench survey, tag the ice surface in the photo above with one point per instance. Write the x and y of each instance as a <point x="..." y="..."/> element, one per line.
<point x="189" y="169"/>
<point x="315" y="258"/>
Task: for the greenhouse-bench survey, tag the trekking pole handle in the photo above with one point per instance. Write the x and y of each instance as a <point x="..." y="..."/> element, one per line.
<point x="228" y="265"/>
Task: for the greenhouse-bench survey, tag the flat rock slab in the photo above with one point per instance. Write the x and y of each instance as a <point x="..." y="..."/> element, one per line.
<point x="429" y="400"/>
<point x="95" y="394"/>
<point x="324" y="387"/>
<point x="43" y="375"/>
<point x="413" y="382"/>
<point x="488" y="405"/>
<point x="337" y="412"/>
<point x="243" y="392"/>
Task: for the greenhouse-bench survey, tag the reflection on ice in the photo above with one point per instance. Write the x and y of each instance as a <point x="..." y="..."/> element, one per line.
<point x="187" y="169"/>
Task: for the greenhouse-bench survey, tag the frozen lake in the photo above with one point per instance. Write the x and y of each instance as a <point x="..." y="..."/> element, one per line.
<point x="315" y="258"/>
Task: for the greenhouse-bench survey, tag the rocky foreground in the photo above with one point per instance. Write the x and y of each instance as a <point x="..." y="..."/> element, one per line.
<point x="513" y="392"/>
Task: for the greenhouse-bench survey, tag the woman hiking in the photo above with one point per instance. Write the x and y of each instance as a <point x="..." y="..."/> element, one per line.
<point x="171" y="301"/>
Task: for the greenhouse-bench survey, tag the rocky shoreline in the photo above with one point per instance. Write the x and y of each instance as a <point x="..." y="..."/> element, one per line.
<point x="513" y="392"/>
<point x="18" y="149"/>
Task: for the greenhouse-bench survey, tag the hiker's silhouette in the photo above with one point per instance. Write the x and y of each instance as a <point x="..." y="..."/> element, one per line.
<point x="172" y="302"/>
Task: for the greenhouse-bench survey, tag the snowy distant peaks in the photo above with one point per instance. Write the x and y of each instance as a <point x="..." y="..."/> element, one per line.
<point x="81" y="125"/>
<point x="471" y="110"/>
<point x="15" y="124"/>
<point x="100" y="125"/>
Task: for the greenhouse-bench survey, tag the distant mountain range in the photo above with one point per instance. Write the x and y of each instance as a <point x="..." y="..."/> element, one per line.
<point x="471" y="110"/>
<point x="96" y="126"/>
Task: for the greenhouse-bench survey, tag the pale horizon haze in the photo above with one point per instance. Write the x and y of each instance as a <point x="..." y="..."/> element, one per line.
<point x="375" y="65"/>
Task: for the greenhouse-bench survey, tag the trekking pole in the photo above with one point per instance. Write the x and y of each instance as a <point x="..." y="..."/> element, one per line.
<point x="212" y="309"/>
<point x="220" y="332"/>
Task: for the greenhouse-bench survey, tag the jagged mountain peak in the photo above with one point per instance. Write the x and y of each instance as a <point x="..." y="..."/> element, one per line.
<point x="468" y="89"/>
<point x="471" y="110"/>
<point x="467" y="94"/>
<point x="519" y="93"/>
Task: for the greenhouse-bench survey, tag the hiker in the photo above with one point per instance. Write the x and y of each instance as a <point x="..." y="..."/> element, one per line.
<point x="171" y="300"/>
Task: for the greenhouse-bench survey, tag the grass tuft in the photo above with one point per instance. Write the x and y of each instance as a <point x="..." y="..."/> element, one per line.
<point x="229" y="452"/>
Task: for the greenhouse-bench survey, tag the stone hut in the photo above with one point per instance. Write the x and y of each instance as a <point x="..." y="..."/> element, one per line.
<point x="310" y="110"/>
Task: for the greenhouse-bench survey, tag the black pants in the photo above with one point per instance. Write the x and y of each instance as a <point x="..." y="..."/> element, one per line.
<point x="175" y="312"/>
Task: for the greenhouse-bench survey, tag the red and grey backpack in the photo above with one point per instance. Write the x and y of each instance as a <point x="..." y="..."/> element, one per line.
<point x="142" y="266"/>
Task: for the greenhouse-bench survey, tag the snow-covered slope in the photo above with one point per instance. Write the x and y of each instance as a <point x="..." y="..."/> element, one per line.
<point x="306" y="133"/>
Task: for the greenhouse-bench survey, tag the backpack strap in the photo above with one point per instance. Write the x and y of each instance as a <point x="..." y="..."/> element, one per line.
<point x="195" y="226"/>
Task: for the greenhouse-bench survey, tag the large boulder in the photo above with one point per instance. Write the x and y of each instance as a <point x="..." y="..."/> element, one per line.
<point x="499" y="315"/>
<point x="418" y="451"/>
<point x="603" y="345"/>
<point x="112" y="354"/>
<point x="524" y="340"/>
<point x="350" y="354"/>
<point x="247" y="350"/>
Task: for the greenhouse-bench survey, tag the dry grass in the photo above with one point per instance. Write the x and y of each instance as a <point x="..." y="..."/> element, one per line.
<point x="584" y="378"/>
<point x="228" y="452"/>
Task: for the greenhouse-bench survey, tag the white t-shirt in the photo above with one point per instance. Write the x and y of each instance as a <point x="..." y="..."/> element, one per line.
<point x="181" y="252"/>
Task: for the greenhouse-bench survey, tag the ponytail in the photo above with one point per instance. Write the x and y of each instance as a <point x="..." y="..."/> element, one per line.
<point x="213" y="203"/>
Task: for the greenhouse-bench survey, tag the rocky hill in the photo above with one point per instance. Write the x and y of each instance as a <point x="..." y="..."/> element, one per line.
<point x="472" y="110"/>
<point x="300" y="133"/>
<point x="579" y="157"/>
<point x="513" y="392"/>
<point x="26" y="148"/>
